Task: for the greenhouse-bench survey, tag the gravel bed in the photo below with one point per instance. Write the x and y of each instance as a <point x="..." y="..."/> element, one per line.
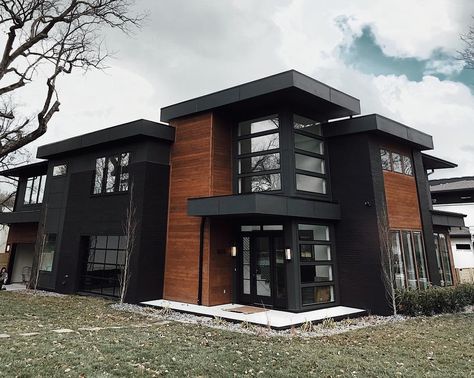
<point x="326" y="328"/>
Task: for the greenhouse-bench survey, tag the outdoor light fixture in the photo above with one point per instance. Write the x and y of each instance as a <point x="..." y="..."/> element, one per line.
<point x="287" y="254"/>
<point x="8" y="248"/>
<point x="233" y="251"/>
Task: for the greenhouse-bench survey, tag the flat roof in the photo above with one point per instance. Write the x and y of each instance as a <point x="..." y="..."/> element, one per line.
<point x="380" y="124"/>
<point x="452" y="184"/>
<point x="292" y="84"/>
<point x="447" y="218"/>
<point x="433" y="162"/>
<point x="140" y="127"/>
<point x="34" y="169"/>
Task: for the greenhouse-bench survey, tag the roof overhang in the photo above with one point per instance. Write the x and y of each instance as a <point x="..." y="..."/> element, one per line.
<point x="433" y="162"/>
<point x="287" y="88"/>
<point x="452" y="190"/>
<point x="447" y="219"/>
<point x="128" y="130"/>
<point x="262" y="204"/>
<point x="381" y="125"/>
<point x="29" y="170"/>
<point x="14" y="217"/>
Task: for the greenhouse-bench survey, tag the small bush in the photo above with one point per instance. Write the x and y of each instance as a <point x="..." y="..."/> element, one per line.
<point x="435" y="300"/>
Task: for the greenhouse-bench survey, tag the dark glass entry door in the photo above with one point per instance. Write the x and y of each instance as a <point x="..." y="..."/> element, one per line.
<point x="262" y="269"/>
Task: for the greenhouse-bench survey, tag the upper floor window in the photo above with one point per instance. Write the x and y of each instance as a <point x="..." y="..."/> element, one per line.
<point x="59" y="170"/>
<point x="112" y="174"/>
<point x="34" y="190"/>
<point x="258" y="161"/>
<point x="399" y="163"/>
<point x="309" y="155"/>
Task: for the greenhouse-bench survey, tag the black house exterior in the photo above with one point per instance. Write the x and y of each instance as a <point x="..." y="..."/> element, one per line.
<point x="269" y="193"/>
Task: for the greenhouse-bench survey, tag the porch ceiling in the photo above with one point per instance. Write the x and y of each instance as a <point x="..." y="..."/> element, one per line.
<point x="262" y="204"/>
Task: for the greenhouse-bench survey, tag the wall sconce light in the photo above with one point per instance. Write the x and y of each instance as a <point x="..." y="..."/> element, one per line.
<point x="233" y="251"/>
<point x="8" y="248"/>
<point x="287" y="254"/>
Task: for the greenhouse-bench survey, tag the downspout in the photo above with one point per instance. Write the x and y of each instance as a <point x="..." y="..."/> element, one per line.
<point x="201" y="258"/>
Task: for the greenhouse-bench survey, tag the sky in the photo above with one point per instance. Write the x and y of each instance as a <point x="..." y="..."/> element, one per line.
<point x="398" y="57"/>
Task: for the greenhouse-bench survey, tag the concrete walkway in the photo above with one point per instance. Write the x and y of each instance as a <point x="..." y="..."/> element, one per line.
<point x="273" y="318"/>
<point x="15" y="287"/>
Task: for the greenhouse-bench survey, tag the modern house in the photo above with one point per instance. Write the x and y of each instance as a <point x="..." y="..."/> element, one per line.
<point x="274" y="192"/>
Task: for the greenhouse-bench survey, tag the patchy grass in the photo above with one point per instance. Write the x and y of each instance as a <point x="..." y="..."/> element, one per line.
<point x="436" y="347"/>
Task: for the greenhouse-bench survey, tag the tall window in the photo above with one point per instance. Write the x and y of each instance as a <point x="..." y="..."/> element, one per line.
<point x="409" y="260"/>
<point x="395" y="162"/>
<point x="34" y="190"/>
<point x="316" y="264"/>
<point x="309" y="156"/>
<point x="103" y="265"/>
<point x="258" y="149"/>
<point x="443" y="260"/>
<point x="47" y="254"/>
<point x="112" y="174"/>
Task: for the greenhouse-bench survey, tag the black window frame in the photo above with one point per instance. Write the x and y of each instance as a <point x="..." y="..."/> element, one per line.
<point x="51" y="242"/>
<point x="323" y="156"/>
<point x="439" y="259"/>
<point x="331" y="263"/>
<point x="239" y="156"/>
<point x="403" y="158"/>
<point x="59" y="166"/>
<point x="39" y="194"/>
<point x="117" y="183"/>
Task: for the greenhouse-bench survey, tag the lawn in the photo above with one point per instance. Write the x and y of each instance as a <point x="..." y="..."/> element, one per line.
<point x="139" y="346"/>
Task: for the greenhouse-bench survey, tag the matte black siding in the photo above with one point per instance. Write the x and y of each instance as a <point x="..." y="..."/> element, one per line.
<point x="354" y="182"/>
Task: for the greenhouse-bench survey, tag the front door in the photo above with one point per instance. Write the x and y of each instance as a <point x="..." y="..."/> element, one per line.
<point x="263" y="269"/>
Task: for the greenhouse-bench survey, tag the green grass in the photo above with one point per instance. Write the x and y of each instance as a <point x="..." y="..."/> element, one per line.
<point x="435" y="347"/>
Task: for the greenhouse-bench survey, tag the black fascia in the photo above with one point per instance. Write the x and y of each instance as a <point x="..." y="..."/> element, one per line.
<point x="379" y="124"/>
<point x="433" y="162"/>
<point x="262" y="204"/>
<point x="29" y="170"/>
<point x="141" y="127"/>
<point x="14" y="217"/>
<point x="447" y="218"/>
<point x="289" y="86"/>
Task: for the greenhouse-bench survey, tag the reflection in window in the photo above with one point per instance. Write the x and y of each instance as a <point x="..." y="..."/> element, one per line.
<point x="316" y="252"/>
<point x="317" y="295"/>
<point x="316" y="273"/>
<point x="59" y="170"/>
<point x="443" y="259"/>
<point x="112" y="174"/>
<point x="399" y="266"/>
<point x="386" y="163"/>
<point x="313" y="232"/>
<point x="258" y="125"/>
<point x="34" y="191"/>
<point x="104" y="265"/>
<point x="47" y="254"/>
<point x="397" y="162"/>
<point x="263" y="183"/>
<point x="409" y="261"/>
<point x="309" y="163"/>
<point x="309" y="144"/>
<point x="259" y="163"/>
<point x="310" y="184"/>
<point x="306" y="124"/>
<point x="259" y="159"/>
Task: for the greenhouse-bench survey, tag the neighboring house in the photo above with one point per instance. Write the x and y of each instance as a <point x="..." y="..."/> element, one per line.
<point x="250" y="196"/>
<point x="457" y="191"/>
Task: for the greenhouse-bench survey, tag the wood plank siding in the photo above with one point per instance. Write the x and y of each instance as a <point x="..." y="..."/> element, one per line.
<point x="22" y="233"/>
<point x="201" y="162"/>
<point x="403" y="207"/>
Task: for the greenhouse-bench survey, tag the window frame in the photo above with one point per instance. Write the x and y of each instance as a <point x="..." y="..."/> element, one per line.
<point x="439" y="259"/>
<point x="323" y="156"/>
<point x="240" y="156"/>
<point x="47" y="243"/>
<point x="105" y="171"/>
<point x="403" y="158"/>
<point x="58" y="166"/>
<point x="40" y="192"/>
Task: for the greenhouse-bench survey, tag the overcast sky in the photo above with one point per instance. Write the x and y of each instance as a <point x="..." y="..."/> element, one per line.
<point x="397" y="57"/>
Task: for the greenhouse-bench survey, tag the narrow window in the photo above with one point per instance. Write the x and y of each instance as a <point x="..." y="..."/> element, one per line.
<point x="445" y="260"/>
<point x="258" y="126"/>
<point x="420" y="260"/>
<point x="306" y="124"/>
<point x="34" y="191"/>
<point x="309" y="163"/>
<point x="310" y="184"/>
<point x="47" y="254"/>
<point x="386" y="163"/>
<point x="399" y="267"/>
<point x="407" y="166"/>
<point x="409" y="261"/>
<point x="397" y="162"/>
<point x="309" y="144"/>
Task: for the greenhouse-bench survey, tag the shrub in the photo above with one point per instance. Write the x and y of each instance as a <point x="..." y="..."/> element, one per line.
<point x="435" y="300"/>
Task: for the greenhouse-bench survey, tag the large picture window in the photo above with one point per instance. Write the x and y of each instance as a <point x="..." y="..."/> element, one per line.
<point x="316" y="264"/>
<point x="103" y="265"/>
<point x="409" y="260"/>
<point x="309" y="156"/>
<point x="443" y="260"/>
<point x="34" y="190"/>
<point x="112" y="174"/>
<point x="258" y="160"/>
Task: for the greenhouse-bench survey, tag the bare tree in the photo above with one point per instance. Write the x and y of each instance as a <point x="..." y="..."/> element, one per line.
<point x="467" y="54"/>
<point x="45" y="39"/>
<point x="387" y="260"/>
<point x="129" y="229"/>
